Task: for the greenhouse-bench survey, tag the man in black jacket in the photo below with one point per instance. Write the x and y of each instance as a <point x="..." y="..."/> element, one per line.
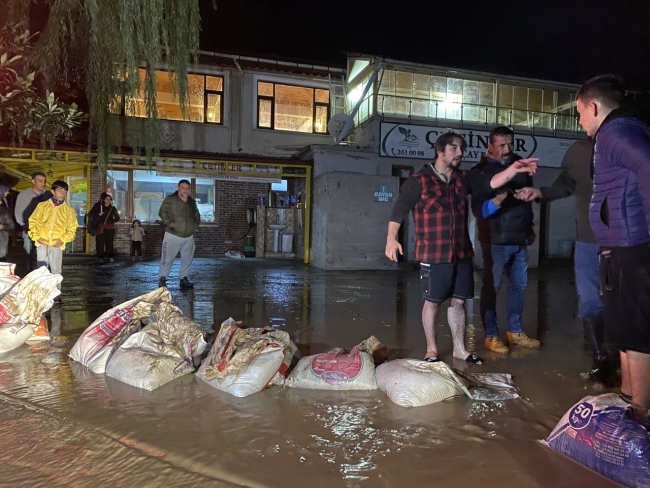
<point x="505" y="226"/>
<point x="575" y="179"/>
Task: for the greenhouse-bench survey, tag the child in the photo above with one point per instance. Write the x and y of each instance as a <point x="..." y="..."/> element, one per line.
<point x="136" y="232"/>
<point x="51" y="226"/>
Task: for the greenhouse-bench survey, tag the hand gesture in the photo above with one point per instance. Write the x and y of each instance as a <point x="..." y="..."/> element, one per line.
<point x="392" y="248"/>
<point x="528" y="194"/>
<point x="527" y="165"/>
<point x="58" y="243"/>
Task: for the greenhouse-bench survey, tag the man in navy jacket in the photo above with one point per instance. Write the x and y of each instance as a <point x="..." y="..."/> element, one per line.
<point x="620" y="218"/>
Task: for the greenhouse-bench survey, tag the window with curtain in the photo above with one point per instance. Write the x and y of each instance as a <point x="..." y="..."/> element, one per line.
<point x="293" y="108"/>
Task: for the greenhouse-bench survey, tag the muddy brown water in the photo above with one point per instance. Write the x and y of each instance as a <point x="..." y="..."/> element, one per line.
<point x="64" y="426"/>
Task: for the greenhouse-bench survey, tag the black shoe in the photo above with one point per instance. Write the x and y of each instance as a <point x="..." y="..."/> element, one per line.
<point x="185" y="283"/>
<point x="162" y="281"/>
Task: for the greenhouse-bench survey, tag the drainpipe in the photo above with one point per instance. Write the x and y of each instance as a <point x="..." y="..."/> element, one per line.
<point x="241" y="104"/>
<point x="350" y="122"/>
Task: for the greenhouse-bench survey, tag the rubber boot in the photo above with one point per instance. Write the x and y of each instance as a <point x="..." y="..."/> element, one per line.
<point x="594" y="331"/>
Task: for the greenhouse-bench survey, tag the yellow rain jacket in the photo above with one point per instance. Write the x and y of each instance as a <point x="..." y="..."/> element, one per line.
<point x="52" y="222"/>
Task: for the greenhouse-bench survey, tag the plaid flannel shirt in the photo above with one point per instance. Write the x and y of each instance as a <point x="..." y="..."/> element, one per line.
<point x="440" y="212"/>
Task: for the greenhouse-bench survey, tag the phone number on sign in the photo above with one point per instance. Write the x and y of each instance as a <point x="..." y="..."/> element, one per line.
<point x="406" y="152"/>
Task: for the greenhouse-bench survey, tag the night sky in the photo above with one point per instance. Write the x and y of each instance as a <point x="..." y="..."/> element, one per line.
<point x="569" y="40"/>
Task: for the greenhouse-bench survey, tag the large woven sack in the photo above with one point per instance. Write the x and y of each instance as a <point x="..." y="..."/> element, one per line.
<point x="413" y="383"/>
<point x="161" y="352"/>
<point x="23" y="304"/>
<point x="599" y="432"/>
<point x="338" y="369"/>
<point x="102" y="338"/>
<point x="245" y="361"/>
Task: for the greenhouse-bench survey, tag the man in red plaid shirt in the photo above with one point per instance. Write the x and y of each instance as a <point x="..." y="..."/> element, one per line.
<point x="439" y="196"/>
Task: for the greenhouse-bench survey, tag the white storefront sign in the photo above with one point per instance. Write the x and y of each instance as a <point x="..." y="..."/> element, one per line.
<point x="220" y="176"/>
<point x="416" y="142"/>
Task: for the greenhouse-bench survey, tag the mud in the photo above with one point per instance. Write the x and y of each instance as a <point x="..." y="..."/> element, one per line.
<point x="65" y="426"/>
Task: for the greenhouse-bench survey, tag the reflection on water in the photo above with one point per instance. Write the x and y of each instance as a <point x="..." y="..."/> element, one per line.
<point x="65" y="426"/>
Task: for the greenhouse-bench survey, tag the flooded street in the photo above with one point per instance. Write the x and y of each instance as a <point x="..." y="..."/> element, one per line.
<point x="65" y="426"/>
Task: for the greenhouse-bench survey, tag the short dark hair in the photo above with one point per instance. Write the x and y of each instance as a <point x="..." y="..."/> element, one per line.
<point x="59" y="184"/>
<point x="501" y="130"/>
<point x="447" y="138"/>
<point x="38" y="174"/>
<point x="134" y="221"/>
<point x="607" y="89"/>
<point x="187" y="182"/>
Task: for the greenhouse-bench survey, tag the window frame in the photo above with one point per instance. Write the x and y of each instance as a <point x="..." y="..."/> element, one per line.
<point x="291" y="83"/>
<point x="130" y="204"/>
<point x="222" y="107"/>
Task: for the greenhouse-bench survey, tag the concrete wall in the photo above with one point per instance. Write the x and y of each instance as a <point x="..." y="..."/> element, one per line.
<point x="239" y="134"/>
<point x="349" y="227"/>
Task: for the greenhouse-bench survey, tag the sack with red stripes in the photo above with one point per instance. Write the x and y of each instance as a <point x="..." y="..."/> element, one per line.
<point x="245" y="361"/>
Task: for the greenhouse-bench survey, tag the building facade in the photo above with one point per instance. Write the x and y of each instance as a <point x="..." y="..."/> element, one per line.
<point x="254" y="142"/>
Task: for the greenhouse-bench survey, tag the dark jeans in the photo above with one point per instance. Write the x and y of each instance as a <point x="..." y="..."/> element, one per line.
<point x="105" y="243"/>
<point x="136" y="248"/>
<point x="510" y="260"/>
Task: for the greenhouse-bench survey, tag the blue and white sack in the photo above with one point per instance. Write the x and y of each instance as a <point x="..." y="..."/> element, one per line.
<point x="600" y="433"/>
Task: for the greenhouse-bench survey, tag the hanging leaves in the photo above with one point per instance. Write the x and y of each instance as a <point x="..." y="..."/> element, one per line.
<point x="22" y="111"/>
<point x="108" y="41"/>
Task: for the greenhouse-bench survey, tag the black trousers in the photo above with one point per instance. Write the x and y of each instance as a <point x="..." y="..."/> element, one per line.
<point x="105" y="243"/>
<point x="136" y="248"/>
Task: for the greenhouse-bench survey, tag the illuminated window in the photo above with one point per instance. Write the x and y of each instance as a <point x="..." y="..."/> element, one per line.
<point x="77" y="197"/>
<point x="293" y="108"/>
<point x="204" y="103"/>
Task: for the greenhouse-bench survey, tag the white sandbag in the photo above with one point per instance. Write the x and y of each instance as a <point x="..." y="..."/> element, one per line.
<point x="162" y="351"/>
<point x="601" y="433"/>
<point x="413" y="383"/>
<point x="102" y="338"/>
<point x="338" y="369"/>
<point x="22" y="306"/>
<point x="245" y="361"/>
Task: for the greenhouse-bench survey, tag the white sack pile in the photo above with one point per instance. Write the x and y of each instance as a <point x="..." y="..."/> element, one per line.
<point x="161" y="352"/>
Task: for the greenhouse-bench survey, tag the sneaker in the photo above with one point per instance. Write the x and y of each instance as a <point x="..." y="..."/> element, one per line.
<point x="132" y="258"/>
<point x="140" y="258"/>
<point x="41" y="333"/>
<point x="111" y="260"/>
<point x="162" y="281"/>
<point x="494" y="344"/>
<point x="185" y="283"/>
<point x="521" y="339"/>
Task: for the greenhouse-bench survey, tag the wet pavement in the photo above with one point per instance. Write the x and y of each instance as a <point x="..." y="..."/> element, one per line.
<point x="65" y="426"/>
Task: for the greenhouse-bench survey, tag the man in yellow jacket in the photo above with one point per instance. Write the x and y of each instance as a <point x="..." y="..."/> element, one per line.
<point x="51" y="226"/>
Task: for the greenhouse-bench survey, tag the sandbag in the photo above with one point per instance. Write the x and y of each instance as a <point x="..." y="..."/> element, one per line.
<point x="162" y="351"/>
<point x="599" y="432"/>
<point x="23" y="304"/>
<point x="102" y="338"/>
<point x="338" y="369"/>
<point x="245" y="361"/>
<point x="413" y="383"/>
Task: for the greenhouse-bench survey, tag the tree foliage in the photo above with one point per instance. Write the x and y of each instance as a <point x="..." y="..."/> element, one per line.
<point x="107" y="42"/>
<point x="23" y="112"/>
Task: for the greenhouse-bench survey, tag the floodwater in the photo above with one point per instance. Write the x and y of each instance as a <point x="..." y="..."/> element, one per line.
<point x="65" y="426"/>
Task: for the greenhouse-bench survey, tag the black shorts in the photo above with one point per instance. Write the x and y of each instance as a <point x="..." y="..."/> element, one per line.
<point x="625" y="286"/>
<point x="448" y="280"/>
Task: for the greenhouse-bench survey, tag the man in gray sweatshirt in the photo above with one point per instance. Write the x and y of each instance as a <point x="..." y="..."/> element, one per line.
<point x="23" y="211"/>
